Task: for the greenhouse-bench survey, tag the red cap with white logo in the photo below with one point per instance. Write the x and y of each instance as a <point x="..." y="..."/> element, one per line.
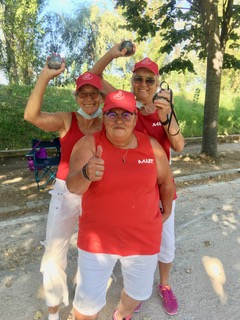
<point x="120" y="99"/>
<point x="147" y="63"/>
<point x="88" y="78"/>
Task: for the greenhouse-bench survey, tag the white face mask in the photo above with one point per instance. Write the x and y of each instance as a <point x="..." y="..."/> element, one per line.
<point x="94" y="115"/>
<point x="139" y="105"/>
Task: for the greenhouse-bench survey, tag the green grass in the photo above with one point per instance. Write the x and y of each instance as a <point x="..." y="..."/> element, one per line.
<point x="190" y="115"/>
<point x="15" y="133"/>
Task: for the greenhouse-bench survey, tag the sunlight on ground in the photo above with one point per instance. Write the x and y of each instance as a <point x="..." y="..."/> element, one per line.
<point x="12" y="180"/>
<point x="29" y="186"/>
<point x="178" y="171"/>
<point x="187" y="159"/>
<point x="109" y="282"/>
<point x="228" y="219"/>
<point x="215" y="271"/>
<point x="40" y="293"/>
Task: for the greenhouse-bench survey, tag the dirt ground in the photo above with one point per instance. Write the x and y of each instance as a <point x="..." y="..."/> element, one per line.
<point x="192" y="162"/>
<point x="18" y="185"/>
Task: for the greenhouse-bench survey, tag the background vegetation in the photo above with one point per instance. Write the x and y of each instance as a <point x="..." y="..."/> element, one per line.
<point x="172" y="33"/>
<point x="15" y="133"/>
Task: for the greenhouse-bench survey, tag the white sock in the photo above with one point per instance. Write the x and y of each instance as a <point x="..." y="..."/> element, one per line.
<point x="53" y="316"/>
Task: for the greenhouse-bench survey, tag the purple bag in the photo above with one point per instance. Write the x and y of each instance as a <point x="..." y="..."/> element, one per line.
<point x="40" y="154"/>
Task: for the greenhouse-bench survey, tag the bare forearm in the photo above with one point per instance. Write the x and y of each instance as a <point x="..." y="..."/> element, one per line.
<point x="33" y="108"/>
<point x="114" y="53"/>
<point x="102" y="63"/>
<point x="166" y="193"/>
<point x="174" y="136"/>
<point x="34" y="104"/>
<point x="76" y="183"/>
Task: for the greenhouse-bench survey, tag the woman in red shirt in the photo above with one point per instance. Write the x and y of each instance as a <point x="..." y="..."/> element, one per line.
<point x="119" y="173"/>
<point x="64" y="208"/>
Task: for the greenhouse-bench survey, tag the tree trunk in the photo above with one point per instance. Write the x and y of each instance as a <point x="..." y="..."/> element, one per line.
<point x="209" y="14"/>
<point x="211" y="106"/>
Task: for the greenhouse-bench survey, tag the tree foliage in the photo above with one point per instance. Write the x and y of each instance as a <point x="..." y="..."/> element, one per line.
<point x="19" y="25"/>
<point x="73" y="37"/>
<point x="204" y="27"/>
<point x="181" y="38"/>
<point x="82" y="37"/>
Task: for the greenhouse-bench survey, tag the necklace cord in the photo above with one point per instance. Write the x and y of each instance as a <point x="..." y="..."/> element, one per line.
<point x="122" y="157"/>
<point x="115" y="148"/>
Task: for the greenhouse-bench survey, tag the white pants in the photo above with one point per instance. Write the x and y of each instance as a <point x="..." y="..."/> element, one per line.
<point x="167" y="249"/>
<point x="94" y="271"/>
<point x="64" y="210"/>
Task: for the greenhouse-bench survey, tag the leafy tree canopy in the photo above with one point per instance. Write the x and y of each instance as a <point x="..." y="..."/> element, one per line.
<point x="180" y="22"/>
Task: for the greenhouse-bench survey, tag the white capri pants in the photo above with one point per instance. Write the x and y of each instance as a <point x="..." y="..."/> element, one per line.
<point x="167" y="249"/>
<point x="94" y="271"/>
<point x="64" y="210"/>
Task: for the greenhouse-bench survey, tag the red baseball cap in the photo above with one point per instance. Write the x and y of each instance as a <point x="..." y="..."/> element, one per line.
<point x="88" y="78"/>
<point x="120" y="99"/>
<point x="146" y="63"/>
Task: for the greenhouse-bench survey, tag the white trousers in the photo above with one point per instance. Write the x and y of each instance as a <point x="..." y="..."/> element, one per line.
<point x="64" y="210"/>
<point x="94" y="272"/>
<point x="167" y="249"/>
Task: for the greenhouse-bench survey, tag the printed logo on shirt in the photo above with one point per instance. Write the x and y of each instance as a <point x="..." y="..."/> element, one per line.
<point x="145" y="161"/>
<point x="156" y="124"/>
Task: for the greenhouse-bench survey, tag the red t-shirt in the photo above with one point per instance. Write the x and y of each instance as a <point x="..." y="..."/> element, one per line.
<point x="67" y="144"/>
<point x="120" y="213"/>
<point x="151" y="125"/>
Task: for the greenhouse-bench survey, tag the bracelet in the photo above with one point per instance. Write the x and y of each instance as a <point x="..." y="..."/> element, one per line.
<point x="84" y="172"/>
<point x="166" y="122"/>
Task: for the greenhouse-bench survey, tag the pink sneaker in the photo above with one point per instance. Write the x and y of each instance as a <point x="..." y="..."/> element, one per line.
<point x="138" y="308"/>
<point x="169" y="301"/>
<point x="115" y="318"/>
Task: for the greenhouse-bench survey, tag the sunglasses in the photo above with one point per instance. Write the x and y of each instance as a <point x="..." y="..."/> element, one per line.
<point x="83" y="95"/>
<point x="139" y="79"/>
<point x="112" y="116"/>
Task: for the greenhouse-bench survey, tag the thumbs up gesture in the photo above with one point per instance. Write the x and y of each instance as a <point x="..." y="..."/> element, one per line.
<point x="95" y="166"/>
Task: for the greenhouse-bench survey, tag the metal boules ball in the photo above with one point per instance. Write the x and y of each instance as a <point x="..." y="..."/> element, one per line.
<point x="55" y="62"/>
<point x="127" y="45"/>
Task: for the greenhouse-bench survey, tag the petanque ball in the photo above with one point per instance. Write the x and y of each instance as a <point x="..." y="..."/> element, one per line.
<point x="54" y="62"/>
<point x="128" y="45"/>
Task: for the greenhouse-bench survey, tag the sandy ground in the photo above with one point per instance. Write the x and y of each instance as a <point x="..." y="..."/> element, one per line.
<point x="206" y="272"/>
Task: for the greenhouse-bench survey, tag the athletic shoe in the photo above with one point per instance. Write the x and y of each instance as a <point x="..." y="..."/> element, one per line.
<point x="115" y="318"/>
<point x="169" y="301"/>
<point x="138" y="308"/>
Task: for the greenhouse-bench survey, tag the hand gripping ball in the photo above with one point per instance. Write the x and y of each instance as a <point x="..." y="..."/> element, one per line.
<point x="54" y="62"/>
